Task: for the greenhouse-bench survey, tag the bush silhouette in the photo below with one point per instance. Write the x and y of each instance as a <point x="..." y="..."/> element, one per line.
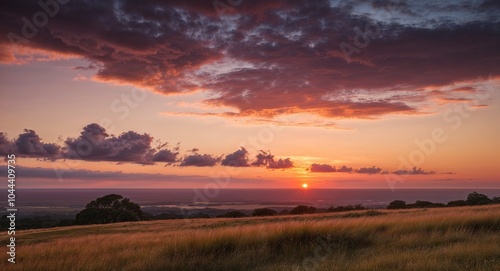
<point x="345" y="208"/>
<point x="110" y="209"/>
<point x="233" y="214"/>
<point x="456" y="203"/>
<point x="264" y="212"/>
<point x="425" y="204"/>
<point x="475" y="198"/>
<point x="303" y="209"/>
<point x="397" y="204"/>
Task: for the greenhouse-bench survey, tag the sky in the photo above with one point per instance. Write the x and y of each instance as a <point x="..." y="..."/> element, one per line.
<point x="381" y="94"/>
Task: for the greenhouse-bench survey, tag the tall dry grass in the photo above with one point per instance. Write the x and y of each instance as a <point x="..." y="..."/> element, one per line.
<point x="466" y="238"/>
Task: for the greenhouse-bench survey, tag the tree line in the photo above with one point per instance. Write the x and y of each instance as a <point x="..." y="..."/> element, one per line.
<point x="115" y="208"/>
<point x="473" y="199"/>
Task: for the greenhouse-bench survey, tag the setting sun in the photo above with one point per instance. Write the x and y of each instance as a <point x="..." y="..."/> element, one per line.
<point x="304" y="185"/>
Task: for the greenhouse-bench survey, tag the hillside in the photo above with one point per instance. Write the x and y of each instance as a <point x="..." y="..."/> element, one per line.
<point x="462" y="238"/>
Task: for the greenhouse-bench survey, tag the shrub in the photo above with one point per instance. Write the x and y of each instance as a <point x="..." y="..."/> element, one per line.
<point x="284" y="212"/>
<point x="424" y="204"/>
<point x="345" y="208"/>
<point x="475" y="198"/>
<point x="397" y="204"/>
<point x="456" y="203"/>
<point x="264" y="212"/>
<point x="303" y="209"/>
<point x="233" y="214"/>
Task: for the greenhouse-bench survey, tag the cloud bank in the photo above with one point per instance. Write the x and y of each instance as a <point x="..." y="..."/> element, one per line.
<point x="326" y="168"/>
<point x="334" y="59"/>
<point x="95" y="144"/>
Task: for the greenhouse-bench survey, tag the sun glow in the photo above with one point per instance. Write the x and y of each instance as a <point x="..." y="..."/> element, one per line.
<point x="304" y="185"/>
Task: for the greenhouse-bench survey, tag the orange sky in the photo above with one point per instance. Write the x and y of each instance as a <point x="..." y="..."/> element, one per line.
<point x="404" y="112"/>
<point x="469" y="151"/>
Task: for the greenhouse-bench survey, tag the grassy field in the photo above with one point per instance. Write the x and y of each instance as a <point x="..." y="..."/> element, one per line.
<point x="463" y="238"/>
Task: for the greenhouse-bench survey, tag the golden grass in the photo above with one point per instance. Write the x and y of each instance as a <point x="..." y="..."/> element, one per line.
<point x="463" y="238"/>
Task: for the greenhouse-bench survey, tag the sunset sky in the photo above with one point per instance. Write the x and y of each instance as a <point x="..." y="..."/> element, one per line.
<point x="251" y="94"/>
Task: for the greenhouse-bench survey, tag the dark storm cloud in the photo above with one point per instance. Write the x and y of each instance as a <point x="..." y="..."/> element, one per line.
<point x="286" y="55"/>
<point x="238" y="158"/>
<point x="490" y="4"/>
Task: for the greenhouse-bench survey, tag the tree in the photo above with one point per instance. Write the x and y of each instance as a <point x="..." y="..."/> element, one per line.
<point x="495" y="200"/>
<point x="456" y="203"/>
<point x="345" y="208"/>
<point x="303" y="209"/>
<point x="233" y="214"/>
<point x="284" y="212"/>
<point x="110" y="209"/>
<point x="475" y="198"/>
<point x="424" y="204"/>
<point x="264" y="212"/>
<point x="397" y="204"/>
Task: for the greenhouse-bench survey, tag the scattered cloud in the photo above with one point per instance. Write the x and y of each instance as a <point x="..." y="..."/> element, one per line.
<point x="369" y="170"/>
<point x="266" y="159"/>
<point x="322" y="168"/>
<point x="5" y="144"/>
<point x="199" y="160"/>
<point x="263" y="159"/>
<point x="95" y="144"/>
<point x="30" y="144"/>
<point x="414" y="171"/>
<point x="165" y="156"/>
<point x="238" y="158"/>
<point x="281" y="164"/>
<point x="345" y="169"/>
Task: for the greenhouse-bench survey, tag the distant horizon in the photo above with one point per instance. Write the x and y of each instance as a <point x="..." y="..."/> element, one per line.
<point x="252" y="188"/>
<point x="261" y="94"/>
